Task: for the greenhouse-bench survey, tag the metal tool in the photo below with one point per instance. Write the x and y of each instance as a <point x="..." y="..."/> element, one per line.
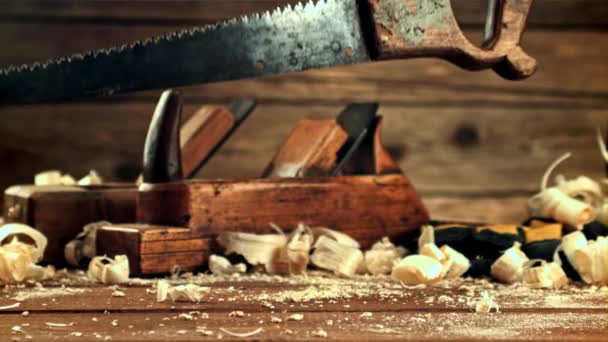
<point x="316" y="35"/>
<point x="162" y="152"/>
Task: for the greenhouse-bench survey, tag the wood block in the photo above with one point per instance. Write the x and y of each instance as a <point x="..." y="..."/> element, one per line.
<point x="154" y="249"/>
<point x="60" y="212"/>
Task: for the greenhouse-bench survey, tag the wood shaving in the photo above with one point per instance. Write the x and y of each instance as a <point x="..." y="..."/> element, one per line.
<point x="509" y="267"/>
<point x="557" y="203"/>
<point x="59" y="325"/>
<point x="53" y="177"/>
<point x="486" y="304"/>
<point x="381" y="258"/>
<point x="256" y="249"/>
<point x="547" y="275"/>
<point x="331" y="255"/>
<point x="591" y="261"/>
<point x="219" y="265"/>
<point x="118" y="294"/>
<point x="25" y="313"/>
<point x="108" y="270"/>
<point x="76" y="333"/>
<point x="295" y="317"/>
<point x="186" y="317"/>
<point x="366" y="314"/>
<point x="92" y="178"/>
<point x="417" y="269"/>
<point x="18" y="259"/>
<point x="275" y="320"/>
<point x="247" y="334"/>
<point x="180" y="293"/>
<point x="293" y="258"/>
<point x="11" y="306"/>
<point x="114" y="323"/>
<point x="335" y="235"/>
<point x="319" y="333"/>
<point x="236" y="314"/>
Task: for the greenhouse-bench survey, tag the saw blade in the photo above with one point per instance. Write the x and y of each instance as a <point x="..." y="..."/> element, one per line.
<point x="322" y="34"/>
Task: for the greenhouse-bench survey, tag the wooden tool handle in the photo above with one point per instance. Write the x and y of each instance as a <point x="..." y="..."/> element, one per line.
<point x="425" y="28"/>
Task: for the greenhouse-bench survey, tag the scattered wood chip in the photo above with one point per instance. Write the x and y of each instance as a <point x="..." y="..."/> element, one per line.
<point x="295" y="317"/>
<point x="108" y="270"/>
<point x="236" y="314"/>
<point x="10" y="306"/>
<point x="185" y="317"/>
<point x="247" y="334"/>
<point x="180" y="293"/>
<point x="275" y="320"/>
<point x="366" y="314"/>
<point x="59" y="325"/>
<point x="117" y="293"/>
<point x="319" y="333"/>
<point x="486" y="304"/>
<point x="25" y="313"/>
<point x="114" y="322"/>
<point x="219" y="265"/>
<point x="76" y="333"/>
<point x="382" y="256"/>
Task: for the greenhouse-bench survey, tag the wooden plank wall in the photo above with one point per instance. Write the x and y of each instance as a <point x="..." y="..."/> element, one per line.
<point x="474" y="145"/>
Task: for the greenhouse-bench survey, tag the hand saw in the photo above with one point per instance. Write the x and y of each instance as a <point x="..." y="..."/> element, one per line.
<point x="318" y="34"/>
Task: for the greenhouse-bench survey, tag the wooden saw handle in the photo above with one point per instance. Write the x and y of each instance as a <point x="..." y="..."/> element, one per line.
<point x="428" y="28"/>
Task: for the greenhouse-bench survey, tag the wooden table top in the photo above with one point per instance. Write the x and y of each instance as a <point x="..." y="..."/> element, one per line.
<point x="332" y="308"/>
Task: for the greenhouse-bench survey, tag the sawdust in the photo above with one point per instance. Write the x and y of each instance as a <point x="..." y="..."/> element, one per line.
<point x="35" y="293"/>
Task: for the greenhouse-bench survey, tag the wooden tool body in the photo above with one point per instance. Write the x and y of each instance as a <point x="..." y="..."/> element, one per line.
<point x="181" y="220"/>
<point x="60" y="212"/>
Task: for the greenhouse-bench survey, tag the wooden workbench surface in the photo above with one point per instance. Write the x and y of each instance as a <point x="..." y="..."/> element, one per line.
<point x="345" y="309"/>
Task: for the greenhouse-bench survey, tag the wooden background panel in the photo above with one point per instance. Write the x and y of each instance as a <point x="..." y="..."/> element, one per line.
<point x="455" y="133"/>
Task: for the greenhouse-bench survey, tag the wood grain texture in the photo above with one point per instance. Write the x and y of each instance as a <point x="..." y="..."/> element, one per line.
<point x="365" y="207"/>
<point x="432" y="313"/>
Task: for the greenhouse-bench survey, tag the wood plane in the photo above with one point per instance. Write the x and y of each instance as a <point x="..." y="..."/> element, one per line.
<point x="368" y="198"/>
<point x="60" y="211"/>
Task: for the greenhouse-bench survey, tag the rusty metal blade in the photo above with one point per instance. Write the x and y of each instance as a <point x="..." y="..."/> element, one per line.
<point x="324" y="34"/>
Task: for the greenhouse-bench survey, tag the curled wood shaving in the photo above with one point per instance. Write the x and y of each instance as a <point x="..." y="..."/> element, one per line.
<point x="589" y="258"/>
<point x="18" y="259"/>
<point x="247" y="334"/>
<point x="417" y="269"/>
<point x="575" y="202"/>
<point x="293" y="258"/>
<point x="331" y="255"/>
<point x="509" y="267"/>
<point x="256" y="249"/>
<point x="550" y="169"/>
<point x="108" y="270"/>
<point x="486" y="304"/>
<point x="555" y="204"/>
<point x="337" y="236"/>
<point x="219" y="265"/>
<point x="382" y="256"/>
<point x="84" y="244"/>
<point x="547" y="275"/>
<point x="319" y="333"/>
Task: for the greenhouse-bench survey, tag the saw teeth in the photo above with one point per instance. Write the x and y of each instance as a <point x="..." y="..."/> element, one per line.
<point x="265" y="17"/>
